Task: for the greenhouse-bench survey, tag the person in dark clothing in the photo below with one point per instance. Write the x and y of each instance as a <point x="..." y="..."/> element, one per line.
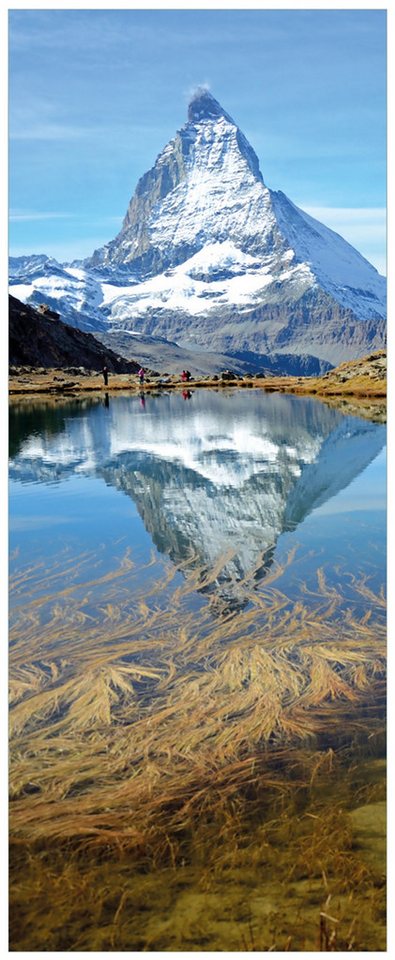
<point x="105" y="375"/>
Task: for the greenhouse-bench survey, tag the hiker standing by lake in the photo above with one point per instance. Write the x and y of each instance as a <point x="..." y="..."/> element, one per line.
<point x="141" y="375"/>
<point x="105" y="375"/>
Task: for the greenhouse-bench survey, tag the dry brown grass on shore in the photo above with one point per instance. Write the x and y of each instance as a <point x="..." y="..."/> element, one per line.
<point x="130" y="718"/>
<point x="363" y="379"/>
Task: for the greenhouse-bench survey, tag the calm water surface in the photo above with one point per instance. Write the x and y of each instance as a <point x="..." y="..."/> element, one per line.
<point x="246" y="475"/>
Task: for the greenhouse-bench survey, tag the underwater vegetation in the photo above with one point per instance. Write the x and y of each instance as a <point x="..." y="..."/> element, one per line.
<point x="187" y="778"/>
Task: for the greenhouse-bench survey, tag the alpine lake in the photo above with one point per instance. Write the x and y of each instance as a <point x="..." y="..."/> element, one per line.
<point x="197" y="674"/>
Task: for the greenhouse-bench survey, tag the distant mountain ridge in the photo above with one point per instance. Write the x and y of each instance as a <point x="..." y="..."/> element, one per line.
<point x="209" y="256"/>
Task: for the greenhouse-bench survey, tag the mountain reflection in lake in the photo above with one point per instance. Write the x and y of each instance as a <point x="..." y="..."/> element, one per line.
<point x="197" y="675"/>
<point x="219" y="476"/>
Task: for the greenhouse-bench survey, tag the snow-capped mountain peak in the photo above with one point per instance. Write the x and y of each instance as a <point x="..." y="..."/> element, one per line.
<point x="208" y="254"/>
<point x="203" y="106"/>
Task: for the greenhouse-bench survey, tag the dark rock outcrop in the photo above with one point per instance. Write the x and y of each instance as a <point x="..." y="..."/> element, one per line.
<point x="36" y="340"/>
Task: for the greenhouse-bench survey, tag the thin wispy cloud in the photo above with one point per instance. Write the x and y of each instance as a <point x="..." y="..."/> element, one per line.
<point x="197" y="88"/>
<point x="53" y="131"/>
<point x="26" y="216"/>
<point x="86" y="31"/>
<point x="358" y="215"/>
<point x="31" y="125"/>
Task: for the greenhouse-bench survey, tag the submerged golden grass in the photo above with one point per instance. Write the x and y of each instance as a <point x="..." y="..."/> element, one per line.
<point x="181" y="774"/>
<point x="132" y="710"/>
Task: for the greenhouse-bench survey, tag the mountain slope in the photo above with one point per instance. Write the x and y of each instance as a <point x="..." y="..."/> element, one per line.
<point x="37" y="339"/>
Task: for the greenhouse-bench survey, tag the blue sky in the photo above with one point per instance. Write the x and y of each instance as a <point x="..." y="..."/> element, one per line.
<point x="94" y="95"/>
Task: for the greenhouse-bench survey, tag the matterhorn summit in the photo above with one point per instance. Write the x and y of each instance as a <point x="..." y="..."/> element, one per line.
<point x="205" y="195"/>
<point x="209" y="257"/>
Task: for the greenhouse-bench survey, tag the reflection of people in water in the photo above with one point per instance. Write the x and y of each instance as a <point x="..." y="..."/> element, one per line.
<point x="142" y="400"/>
<point x="106" y="400"/>
<point x="186" y="394"/>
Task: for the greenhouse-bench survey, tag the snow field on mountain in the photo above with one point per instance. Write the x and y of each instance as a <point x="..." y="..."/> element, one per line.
<point x="180" y="293"/>
<point x="208" y="203"/>
<point x="178" y="289"/>
<point x="22" y="291"/>
<point x="77" y="286"/>
<point x="219" y="255"/>
<point x="336" y="264"/>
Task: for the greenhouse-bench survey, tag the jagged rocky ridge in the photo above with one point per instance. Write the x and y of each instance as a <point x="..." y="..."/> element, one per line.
<point x="209" y="255"/>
